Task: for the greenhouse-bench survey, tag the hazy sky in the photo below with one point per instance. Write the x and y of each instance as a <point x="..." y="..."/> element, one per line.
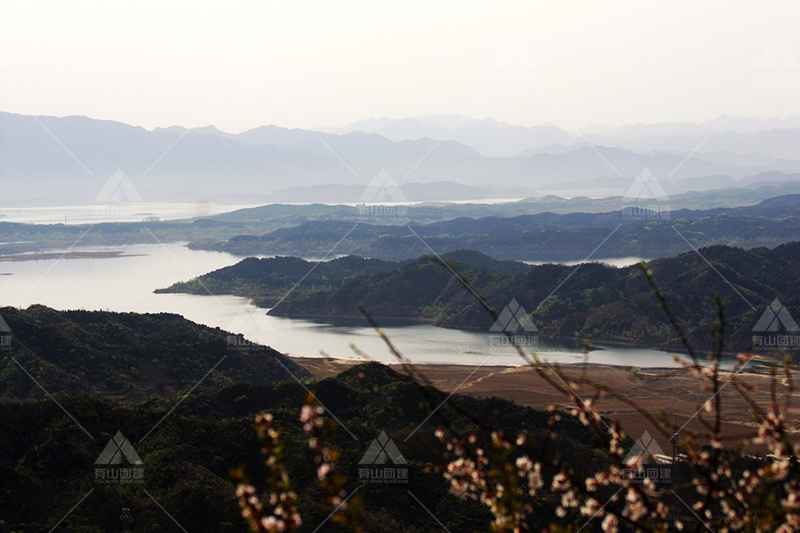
<point x="300" y="64"/>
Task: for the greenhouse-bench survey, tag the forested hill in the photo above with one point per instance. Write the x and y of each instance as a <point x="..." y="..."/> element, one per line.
<point x="48" y="465"/>
<point x="593" y="301"/>
<point x="126" y="355"/>
<point x="266" y="281"/>
<point x="539" y="237"/>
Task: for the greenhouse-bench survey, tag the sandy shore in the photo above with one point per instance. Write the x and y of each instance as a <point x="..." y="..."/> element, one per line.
<point x="676" y="394"/>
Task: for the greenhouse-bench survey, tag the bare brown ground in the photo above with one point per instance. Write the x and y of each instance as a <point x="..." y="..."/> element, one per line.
<point x="676" y="394"/>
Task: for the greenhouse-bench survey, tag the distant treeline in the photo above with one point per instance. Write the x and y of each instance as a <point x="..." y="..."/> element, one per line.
<point x="540" y="237"/>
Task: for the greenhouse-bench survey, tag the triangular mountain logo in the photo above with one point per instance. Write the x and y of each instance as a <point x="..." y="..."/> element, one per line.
<point x="118" y="448"/>
<point x="643" y="452"/>
<point x="118" y="188"/>
<point x="776" y="55"/>
<point x="513" y="318"/>
<point x="250" y="320"/>
<point x="127" y="520"/>
<point x="4" y="326"/>
<point x="775" y="316"/>
<point x="646" y="187"/>
<point x="382" y="449"/>
<point x="513" y="56"/>
<point x="383" y="188"/>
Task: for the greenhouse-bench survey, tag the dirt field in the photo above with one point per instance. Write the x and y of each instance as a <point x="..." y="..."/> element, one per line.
<point x="677" y="394"/>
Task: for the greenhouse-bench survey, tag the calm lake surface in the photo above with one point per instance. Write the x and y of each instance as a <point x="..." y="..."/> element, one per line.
<point x="134" y="212"/>
<point x="127" y="284"/>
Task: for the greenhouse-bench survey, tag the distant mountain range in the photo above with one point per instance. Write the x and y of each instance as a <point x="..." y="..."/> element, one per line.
<point x="56" y="161"/>
<point x="498" y="139"/>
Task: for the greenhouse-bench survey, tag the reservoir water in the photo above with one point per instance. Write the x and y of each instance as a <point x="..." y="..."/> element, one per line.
<point x="126" y="284"/>
<point x="134" y="212"/>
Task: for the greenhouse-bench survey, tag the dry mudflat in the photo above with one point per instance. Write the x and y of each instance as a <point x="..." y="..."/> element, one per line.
<point x="678" y="395"/>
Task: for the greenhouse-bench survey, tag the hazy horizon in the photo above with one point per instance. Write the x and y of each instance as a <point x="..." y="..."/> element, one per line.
<point x="317" y="66"/>
<point x="464" y="120"/>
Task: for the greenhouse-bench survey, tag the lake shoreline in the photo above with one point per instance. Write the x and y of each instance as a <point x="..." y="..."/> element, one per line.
<point x="48" y="256"/>
<point x="651" y="388"/>
<point x="325" y="366"/>
<point x="596" y="344"/>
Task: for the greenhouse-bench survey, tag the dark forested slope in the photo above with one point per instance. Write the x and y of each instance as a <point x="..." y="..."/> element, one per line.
<point x="592" y="301"/>
<point x="49" y="464"/>
<point x="125" y="355"/>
